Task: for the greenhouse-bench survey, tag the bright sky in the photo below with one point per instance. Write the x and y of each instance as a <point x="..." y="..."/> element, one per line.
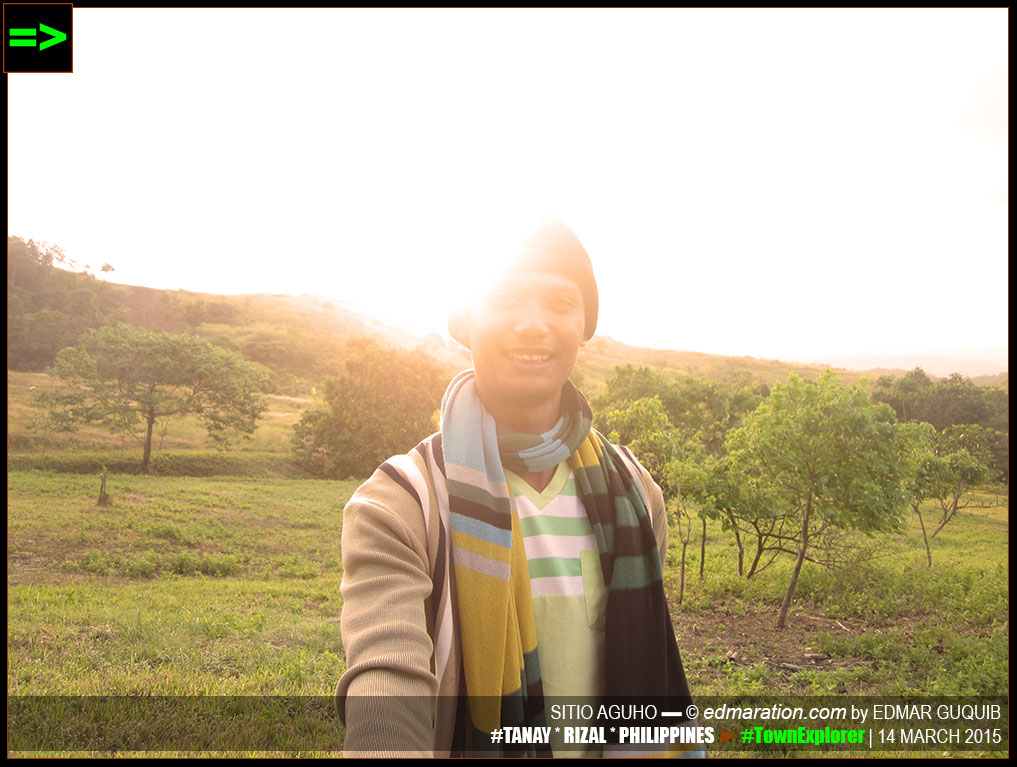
<point x="792" y="184"/>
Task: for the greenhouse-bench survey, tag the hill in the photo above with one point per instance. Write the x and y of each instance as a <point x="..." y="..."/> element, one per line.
<point x="304" y="336"/>
<point x="303" y="339"/>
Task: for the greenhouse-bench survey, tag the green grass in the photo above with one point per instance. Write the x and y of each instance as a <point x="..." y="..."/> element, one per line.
<point x="890" y="625"/>
<point x="175" y="636"/>
<point x="161" y="527"/>
<point x="181" y="587"/>
<point x="220" y="586"/>
<point x="176" y="463"/>
<point x="886" y="626"/>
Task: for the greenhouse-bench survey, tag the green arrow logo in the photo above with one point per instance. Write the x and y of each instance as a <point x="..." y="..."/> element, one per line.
<point x="55" y="36"/>
<point x="20" y="37"/>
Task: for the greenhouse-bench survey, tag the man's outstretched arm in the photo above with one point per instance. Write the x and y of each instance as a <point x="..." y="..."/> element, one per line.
<point x="386" y="696"/>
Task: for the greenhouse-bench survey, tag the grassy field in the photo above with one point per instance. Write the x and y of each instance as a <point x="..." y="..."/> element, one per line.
<point x="887" y="625"/>
<point x="180" y="445"/>
<point x="27" y="433"/>
<point x="230" y="587"/>
<point x="182" y="587"/>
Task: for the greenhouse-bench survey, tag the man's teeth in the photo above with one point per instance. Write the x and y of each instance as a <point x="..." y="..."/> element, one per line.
<point x="530" y="357"/>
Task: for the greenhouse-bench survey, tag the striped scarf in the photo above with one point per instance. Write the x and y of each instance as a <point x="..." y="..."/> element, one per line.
<point x="500" y="660"/>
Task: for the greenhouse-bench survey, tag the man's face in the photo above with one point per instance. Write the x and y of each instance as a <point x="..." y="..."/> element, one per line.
<point x="525" y="335"/>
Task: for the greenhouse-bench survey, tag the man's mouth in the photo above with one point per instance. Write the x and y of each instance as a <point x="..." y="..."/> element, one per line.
<point x="529" y="358"/>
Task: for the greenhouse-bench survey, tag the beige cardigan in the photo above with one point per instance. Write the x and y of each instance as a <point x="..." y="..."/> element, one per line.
<point x="399" y="628"/>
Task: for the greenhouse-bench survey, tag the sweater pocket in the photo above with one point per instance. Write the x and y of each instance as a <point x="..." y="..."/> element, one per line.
<point x="594" y="589"/>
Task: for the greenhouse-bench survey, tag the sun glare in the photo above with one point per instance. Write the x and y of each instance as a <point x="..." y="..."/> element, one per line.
<point x="728" y="173"/>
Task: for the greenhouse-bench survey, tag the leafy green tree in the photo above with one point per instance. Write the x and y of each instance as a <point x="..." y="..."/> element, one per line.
<point x="700" y="414"/>
<point x="28" y="260"/>
<point x="644" y="428"/>
<point x="955" y="403"/>
<point x="725" y="493"/>
<point x="926" y="478"/>
<point x="35" y="337"/>
<point x="822" y="458"/>
<point x="962" y="474"/>
<point x="682" y="466"/>
<point x="709" y="410"/>
<point x="958" y="400"/>
<point x="128" y="379"/>
<point x="704" y="413"/>
<point x="384" y="403"/>
<point x="944" y="471"/>
<point x="705" y="410"/>
<point x="193" y="313"/>
<point x="909" y="395"/>
<point x="629" y="384"/>
<point x="976" y="439"/>
<point x="689" y="476"/>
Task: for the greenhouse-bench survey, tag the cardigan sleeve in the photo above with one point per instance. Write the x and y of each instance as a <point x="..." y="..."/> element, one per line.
<point x="658" y="514"/>
<point x="655" y="504"/>
<point x="386" y="696"/>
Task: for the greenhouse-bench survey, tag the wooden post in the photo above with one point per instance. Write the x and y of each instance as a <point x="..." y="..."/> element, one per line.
<point x="103" y="498"/>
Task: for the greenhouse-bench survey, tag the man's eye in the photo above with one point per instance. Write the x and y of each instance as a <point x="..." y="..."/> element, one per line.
<point x="562" y="304"/>
<point x="505" y="300"/>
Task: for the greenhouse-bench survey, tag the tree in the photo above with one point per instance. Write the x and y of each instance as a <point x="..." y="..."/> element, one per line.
<point x="644" y="427"/>
<point x="925" y="479"/>
<point x="678" y="466"/>
<point x="943" y="471"/>
<point x="958" y="400"/>
<point x="193" y="313"/>
<point x="962" y="474"/>
<point x="957" y="403"/>
<point x="910" y="395"/>
<point x="128" y="379"/>
<point x="710" y="409"/>
<point x="629" y="384"/>
<point x="824" y="459"/>
<point x="383" y="404"/>
<point x="981" y="443"/>
<point x="706" y="410"/>
<point x="689" y="476"/>
<point x="699" y="415"/>
<point x="727" y="494"/>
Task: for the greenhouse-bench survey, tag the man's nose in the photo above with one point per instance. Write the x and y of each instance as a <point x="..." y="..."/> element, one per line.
<point x="531" y="319"/>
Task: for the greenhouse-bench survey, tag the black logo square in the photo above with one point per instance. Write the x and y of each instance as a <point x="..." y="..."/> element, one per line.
<point x="37" y="38"/>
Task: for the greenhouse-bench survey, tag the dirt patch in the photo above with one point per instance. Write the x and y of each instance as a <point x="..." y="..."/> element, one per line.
<point x="746" y="635"/>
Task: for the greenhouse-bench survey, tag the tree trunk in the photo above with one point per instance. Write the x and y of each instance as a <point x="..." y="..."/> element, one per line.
<point x="759" y="555"/>
<point x="925" y="536"/>
<point x="741" y="549"/>
<point x="702" y="551"/>
<point x="681" y="588"/>
<point x="802" y="548"/>
<point x="147" y="460"/>
<point x="103" y="495"/>
<point x="948" y="513"/>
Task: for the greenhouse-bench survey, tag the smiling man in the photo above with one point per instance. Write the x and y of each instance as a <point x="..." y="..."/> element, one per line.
<point x="513" y="558"/>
